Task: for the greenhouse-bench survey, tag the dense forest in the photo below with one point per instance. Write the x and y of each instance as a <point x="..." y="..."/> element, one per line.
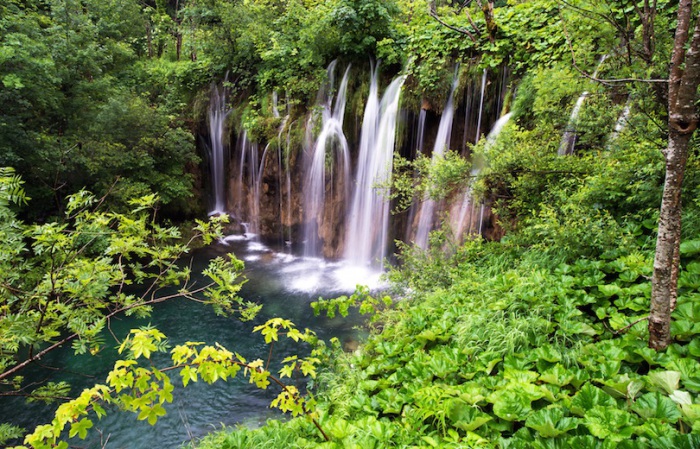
<point x="572" y="321"/>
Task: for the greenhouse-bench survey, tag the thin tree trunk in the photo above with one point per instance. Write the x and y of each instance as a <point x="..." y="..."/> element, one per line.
<point x="664" y="284"/>
<point x="684" y="77"/>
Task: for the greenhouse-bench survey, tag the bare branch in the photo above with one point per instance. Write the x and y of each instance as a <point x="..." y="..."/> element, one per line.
<point x="629" y="326"/>
<point x="434" y="15"/>
<point x="607" y="81"/>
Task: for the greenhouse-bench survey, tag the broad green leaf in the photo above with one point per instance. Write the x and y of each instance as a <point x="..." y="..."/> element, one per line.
<point x="621" y="386"/>
<point x="690" y="247"/>
<point x="551" y="422"/>
<point x="655" y="405"/>
<point x="693" y="267"/>
<point x="681" y="397"/>
<point x="589" y="397"/>
<point x="548" y="353"/>
<point x="691" y="414"/>
<point x="510" y="405"/>
<point x="465" y="416"/>
<point x="607" y="422"/>
<point x="609" y="290"/>
<point x="666" y="380"/>
<point x="557" y="375"/>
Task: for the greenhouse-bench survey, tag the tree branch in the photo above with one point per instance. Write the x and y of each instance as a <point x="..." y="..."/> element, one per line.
<point x="434" y="15"/>
<point x="608" y="81"/>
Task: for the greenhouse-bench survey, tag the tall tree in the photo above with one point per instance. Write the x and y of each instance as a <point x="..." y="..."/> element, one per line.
<point x="683" y="81"/>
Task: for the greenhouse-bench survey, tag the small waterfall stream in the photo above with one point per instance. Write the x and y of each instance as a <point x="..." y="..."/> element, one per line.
<point x="621" y="123"/>
<point x="442" y="141"/>
<point x="217" y="155"/>
<point x="247" y="195"/>
<point x="419" y="150"/>
<point x="568" y="139"/>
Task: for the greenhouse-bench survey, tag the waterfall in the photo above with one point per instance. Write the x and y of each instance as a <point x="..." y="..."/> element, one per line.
<point x="421" y="129"/>
<point x="620" y="124"/>
<point x="481" y="106"/>
<point x="467" y="207"/>
<point x="217" y="159"/>
<point x="284" y="173"/>
<point x="418" y="150"/>
<point x="288" y="189"/>
<point x="568" y="139"/>
<point x="442" y="141"/>
<point x="368" y="217"/>
<point x="247" y="185"/>
<point x="329" y="149"/>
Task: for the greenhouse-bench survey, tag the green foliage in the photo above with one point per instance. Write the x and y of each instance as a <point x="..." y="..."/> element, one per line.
<point x="62" y="281"/>
<point x="435" y="177"/>
<point x="362" y="24"/>
<point x="9" y="432"/>
<point x="360" y="299"/>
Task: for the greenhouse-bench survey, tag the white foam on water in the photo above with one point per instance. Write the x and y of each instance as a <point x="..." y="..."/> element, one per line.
<point x="348" y="277"/>
<point x="285" y="257"/>
<point x="309" y="282"/>
<point x="234" y="238"/>
<point x="257" y="246"/>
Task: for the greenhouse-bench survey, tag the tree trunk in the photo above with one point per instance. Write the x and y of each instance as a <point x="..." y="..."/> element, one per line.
<point x="684" y="77"/>
<point x="664" y="283"/>
<point x="491" y="27"/>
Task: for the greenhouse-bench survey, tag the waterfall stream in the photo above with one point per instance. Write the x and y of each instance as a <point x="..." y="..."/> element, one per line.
<point x="368" y="216"/>
<point x="568" y="139"/>
<point x="217" y="156"/>
<point x="463" y="218"/>
<point x="325" y="193"/>
<point x="442" y="141"/>
<point x="329" y="156"/>
<point x="246" y="191"/>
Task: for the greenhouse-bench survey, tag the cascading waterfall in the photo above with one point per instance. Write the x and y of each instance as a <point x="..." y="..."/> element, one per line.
<point x="568" y="139"/>
<point x="257" y="183"/>
<point x="368" y="217"/>
<point x="331" y="144"/>
<point x="217" y="159"/>
<point x="288" y="185"/>
<point x="343" y="211"/>
<point x="427" y="209"/>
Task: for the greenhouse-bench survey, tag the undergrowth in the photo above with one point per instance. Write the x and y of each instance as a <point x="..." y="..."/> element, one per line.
<point x="514" y="357"/>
